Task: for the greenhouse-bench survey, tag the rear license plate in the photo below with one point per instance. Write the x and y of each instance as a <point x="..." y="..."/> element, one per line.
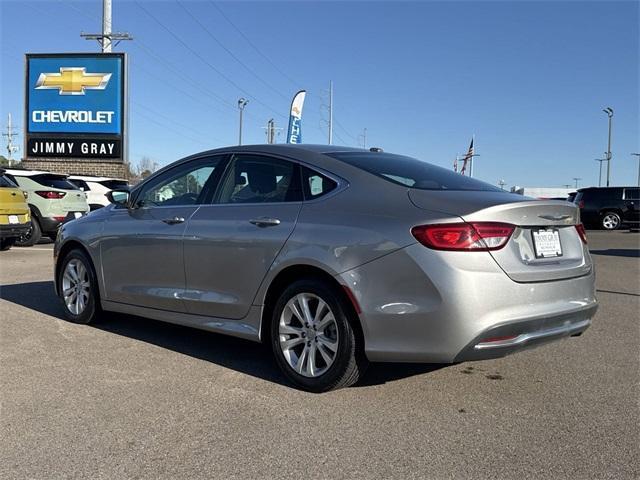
<point x="14" y="219"/>
<point x="546" y="242"/>
<point x="77" y="214"/>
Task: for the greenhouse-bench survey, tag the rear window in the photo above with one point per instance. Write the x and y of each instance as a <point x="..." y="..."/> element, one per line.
<point x="81" y="184"/>
<point x="411" y="172"/>
<point x="6" y="182"/>
<point x="54" y="181"/>
<point x="114" y="184"/>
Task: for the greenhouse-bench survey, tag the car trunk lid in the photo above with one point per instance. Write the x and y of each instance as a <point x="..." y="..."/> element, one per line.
<point x="536" y="221"/>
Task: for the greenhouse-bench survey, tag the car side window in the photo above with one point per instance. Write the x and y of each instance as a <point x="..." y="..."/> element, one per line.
<point x="186" y="184"/>
<point x="632" y="193"/>
<point x="315" y="184"/>
<point x="260" y="179"/>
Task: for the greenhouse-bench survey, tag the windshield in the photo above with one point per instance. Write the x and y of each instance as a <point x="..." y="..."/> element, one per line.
<point x="411" y="172"/>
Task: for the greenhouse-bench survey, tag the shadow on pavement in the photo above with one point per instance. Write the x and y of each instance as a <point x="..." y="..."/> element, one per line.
<point x="618" y="252"/>
<point x="237" y="354"/>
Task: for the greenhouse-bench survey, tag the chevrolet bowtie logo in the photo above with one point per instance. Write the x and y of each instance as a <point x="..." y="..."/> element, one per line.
<point x="73" y="81"/>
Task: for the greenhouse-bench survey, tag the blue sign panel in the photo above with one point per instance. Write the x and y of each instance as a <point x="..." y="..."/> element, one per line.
<point x="75" y="94"/>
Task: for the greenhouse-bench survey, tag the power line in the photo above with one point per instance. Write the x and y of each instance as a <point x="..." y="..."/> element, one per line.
<point x="173" y="122"/>
<point x="204" y="60"/>
<point x="171" y="129"/>
<point x="215" y="39"/>
<point x="241" y="33"/>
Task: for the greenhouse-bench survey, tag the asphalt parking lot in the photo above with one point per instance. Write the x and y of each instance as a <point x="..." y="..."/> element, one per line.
<point x="134" y="398"/>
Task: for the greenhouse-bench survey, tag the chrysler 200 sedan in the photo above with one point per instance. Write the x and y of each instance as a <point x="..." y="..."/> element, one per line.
<point x="335" y="257"/>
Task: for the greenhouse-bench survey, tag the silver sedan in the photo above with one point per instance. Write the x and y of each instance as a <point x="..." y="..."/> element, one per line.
<point x="333" y="256"/>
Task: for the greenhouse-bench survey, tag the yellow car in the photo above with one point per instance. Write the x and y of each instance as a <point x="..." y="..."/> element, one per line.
<point x="15" y="218"/>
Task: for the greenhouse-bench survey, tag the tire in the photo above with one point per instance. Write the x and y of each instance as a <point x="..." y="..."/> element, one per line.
<point x="84" y="306"/>
<point x="338" y="356"/>
<point x="32" y="237"/>
<point x="6" y="244"/>
<point x="611" y="221"/>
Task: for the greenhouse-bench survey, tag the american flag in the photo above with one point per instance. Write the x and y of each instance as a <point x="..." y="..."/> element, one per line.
<point x="467" y="158"/>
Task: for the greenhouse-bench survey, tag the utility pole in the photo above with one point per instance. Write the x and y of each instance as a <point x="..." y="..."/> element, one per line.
<point x="575" y="179"/>
<point x="600" y="170"/>
<point x="11" y="148"/>
<point x="364" y="138"/>
<point x="609" y="112"/>
<point x="501" y="183"/>
<point x="271" y="130"/>
<point x="331" y="112"/>
<point x="107" y="37"/>
<point x="637" y="155"/>
<point x="242" y="102"/>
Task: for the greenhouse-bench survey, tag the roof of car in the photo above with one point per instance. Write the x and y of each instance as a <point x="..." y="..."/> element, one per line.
<point x="285" y="147"/>
<point x="19" y="172"/>
<point x="94" y="178"/>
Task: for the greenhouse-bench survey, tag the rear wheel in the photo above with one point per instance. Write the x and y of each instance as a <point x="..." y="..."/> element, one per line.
<point x="6" y="244"/>
<point x="32" y="236"/>
<point x="78" y="288"/>
<point x="313" y="339"/>
<point x="611" y="221"/>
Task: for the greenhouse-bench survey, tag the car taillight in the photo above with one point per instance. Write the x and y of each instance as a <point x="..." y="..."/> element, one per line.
<point x="477" y="236"/>
<point x="59" y="218"/>
<point x="51" y="195"/>
<point x="581" y="204"/>
<point x="582" y="232"/>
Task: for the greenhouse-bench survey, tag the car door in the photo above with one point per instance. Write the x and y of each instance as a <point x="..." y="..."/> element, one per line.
<point x="142" y="255"/>
<point x="631" y="199"/>
<point x="230" y="244"/>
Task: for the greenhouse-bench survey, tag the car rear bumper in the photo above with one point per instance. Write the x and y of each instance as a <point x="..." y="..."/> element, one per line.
<point x="51" y="224"/>
<point x="513" y="337"/>
<point x="13" y="230"/>
<point x="419" y="305"/>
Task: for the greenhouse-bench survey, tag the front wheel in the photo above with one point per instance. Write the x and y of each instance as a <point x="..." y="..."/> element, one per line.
<point x="78" y="288"/>
<point x="313" y="339"/>
<point x="611" y="221"/>
<point x="6" y="244"/>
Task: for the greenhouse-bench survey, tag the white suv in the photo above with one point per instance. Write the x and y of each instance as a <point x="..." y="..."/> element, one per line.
<point x="96" y="188"/>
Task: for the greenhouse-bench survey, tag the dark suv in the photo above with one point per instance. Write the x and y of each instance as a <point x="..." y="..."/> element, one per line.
<point x="609" y="207"/>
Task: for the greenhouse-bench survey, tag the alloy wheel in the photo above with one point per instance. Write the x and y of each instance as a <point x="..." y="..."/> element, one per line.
<point x="308" y="335"/>
<point x="610" y="221"/>
<point x="76" y="286"/>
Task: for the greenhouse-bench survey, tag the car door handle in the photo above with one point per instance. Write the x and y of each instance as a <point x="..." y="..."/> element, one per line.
<point x="265" y="222"/>
<point x="173" y="221"/>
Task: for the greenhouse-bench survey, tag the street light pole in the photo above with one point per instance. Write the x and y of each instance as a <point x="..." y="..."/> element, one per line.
<point x="600" y="170"/>
<point x="575" y="179"/>
<point x="241" y="104"/>
<point x="609" y="112"/>
<point x="637" y="155"/>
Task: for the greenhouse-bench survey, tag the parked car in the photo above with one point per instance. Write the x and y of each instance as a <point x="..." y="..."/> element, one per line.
<point x="97" y="188"/>
<point x="52" y="202"/>
<point x="609" y="207"/>
<point x="15" y="219"/>
<point x="334" y="257"/>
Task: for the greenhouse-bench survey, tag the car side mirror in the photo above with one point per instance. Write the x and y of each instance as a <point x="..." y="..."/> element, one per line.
<point x="118" y="197"/>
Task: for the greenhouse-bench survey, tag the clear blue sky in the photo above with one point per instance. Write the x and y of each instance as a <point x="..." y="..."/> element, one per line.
<point x="528" y="78"/>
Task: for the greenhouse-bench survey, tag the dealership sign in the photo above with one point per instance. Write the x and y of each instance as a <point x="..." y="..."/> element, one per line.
<point x="75" y="105"/>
